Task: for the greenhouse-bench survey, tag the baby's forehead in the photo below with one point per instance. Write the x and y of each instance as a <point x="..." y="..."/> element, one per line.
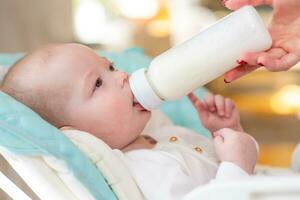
<point x="60" y="63"/>
<point x="82" y="67"/>
<point x="67" y="63"/>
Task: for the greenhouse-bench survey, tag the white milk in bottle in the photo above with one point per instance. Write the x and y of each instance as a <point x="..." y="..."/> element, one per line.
<point x="200" y="59"/>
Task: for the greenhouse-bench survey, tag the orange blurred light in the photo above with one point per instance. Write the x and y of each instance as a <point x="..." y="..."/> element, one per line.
<point x="286" y="100"/>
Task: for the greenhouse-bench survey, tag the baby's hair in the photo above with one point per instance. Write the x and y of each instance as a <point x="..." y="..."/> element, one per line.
<point x="22" y="82"/>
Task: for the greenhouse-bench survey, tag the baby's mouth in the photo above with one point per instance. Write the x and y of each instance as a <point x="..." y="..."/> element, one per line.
<point x="137" y="105"/>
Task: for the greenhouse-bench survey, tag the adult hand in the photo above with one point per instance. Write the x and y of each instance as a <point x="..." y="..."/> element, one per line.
<point x="285" y="32"/>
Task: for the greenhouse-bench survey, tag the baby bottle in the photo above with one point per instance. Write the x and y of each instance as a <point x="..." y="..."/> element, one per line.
<point x="200" y="59"/>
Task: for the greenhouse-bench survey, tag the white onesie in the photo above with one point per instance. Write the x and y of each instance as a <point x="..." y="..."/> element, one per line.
<point x="179" y="162"/>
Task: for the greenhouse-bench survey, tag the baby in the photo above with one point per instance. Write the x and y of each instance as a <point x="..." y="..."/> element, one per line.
<point x="73" y="88"/>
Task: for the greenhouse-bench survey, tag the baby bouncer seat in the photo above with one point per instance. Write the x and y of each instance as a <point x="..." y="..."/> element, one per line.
<point x="80" y="166"/>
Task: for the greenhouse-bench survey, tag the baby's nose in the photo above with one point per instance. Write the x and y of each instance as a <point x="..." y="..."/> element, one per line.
<point x="122" y="78"/>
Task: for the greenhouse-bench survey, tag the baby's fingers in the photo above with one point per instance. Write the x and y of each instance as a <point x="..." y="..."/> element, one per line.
<point x="200" y="106"/>
<point x="196" y="102"/>
<point x="225" y="133"/>
<point x="209" y="100"/>
<point x="220" y="104"/>
<point x="192" y="98"/>
<point x="229" y="106"/>
<point x="218" y="141"/>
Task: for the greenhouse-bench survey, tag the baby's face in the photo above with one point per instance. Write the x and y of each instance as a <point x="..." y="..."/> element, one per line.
<point x="100" y="100"/>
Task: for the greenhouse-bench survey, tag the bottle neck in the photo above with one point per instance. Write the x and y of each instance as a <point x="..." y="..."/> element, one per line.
<point x="143" y="91"/>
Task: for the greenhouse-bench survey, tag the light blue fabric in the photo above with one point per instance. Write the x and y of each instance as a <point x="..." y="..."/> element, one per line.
<point x="23" y="132"/>
<point x="7" y="59"/>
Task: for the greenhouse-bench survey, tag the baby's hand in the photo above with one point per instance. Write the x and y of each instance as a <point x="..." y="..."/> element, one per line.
<point x="236" y="147"/>
<point x="216" y="112"/>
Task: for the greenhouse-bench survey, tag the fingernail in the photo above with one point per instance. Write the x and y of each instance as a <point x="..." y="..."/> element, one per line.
<point x="259" y="63"/>
<point x="241" y="62"/>
<point x="225" y="81"/>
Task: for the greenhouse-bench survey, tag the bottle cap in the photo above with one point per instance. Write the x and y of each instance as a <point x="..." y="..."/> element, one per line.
<point x="143" y="91"/>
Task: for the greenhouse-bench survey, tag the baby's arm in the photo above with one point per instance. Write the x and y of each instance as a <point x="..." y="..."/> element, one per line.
<point x="216" y="112"/>
<point x="220" y="116"/>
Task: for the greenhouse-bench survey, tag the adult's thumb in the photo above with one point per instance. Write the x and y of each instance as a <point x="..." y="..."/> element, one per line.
<point x="235" y="4"/>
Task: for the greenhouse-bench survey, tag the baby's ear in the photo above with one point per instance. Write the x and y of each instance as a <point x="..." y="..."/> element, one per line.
<point x="66" y="128"/>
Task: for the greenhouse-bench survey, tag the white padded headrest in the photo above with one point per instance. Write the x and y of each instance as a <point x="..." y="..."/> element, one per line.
<point x="109" y="162"/>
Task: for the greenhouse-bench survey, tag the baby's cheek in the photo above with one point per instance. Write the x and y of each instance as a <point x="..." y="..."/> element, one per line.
<point x="121" y="110"/>
<point x="117" y="102"/>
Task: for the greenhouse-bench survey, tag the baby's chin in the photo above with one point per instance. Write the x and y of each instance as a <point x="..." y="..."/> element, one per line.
<point x="144" y="122"/>
<point x="148" y="115"/>
<point x="143" y="112"/>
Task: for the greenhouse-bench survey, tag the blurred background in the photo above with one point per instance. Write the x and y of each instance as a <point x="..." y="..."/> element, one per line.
<point x="269" y="102"/>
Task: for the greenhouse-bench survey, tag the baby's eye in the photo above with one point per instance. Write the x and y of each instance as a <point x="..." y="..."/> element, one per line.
<point x="111" y="67"/>
<point x="98" y="83"/>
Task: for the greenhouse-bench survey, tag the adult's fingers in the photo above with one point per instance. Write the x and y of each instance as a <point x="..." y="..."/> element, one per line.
<point x="279" y="64"/>
<point x="238" y="72"/>
<point x="248" y="63"/>
<point x="235" y="4"/>
<point x="276" y="59"/>
<point x="268" y="58"/>
<point x="250" y="58"/>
